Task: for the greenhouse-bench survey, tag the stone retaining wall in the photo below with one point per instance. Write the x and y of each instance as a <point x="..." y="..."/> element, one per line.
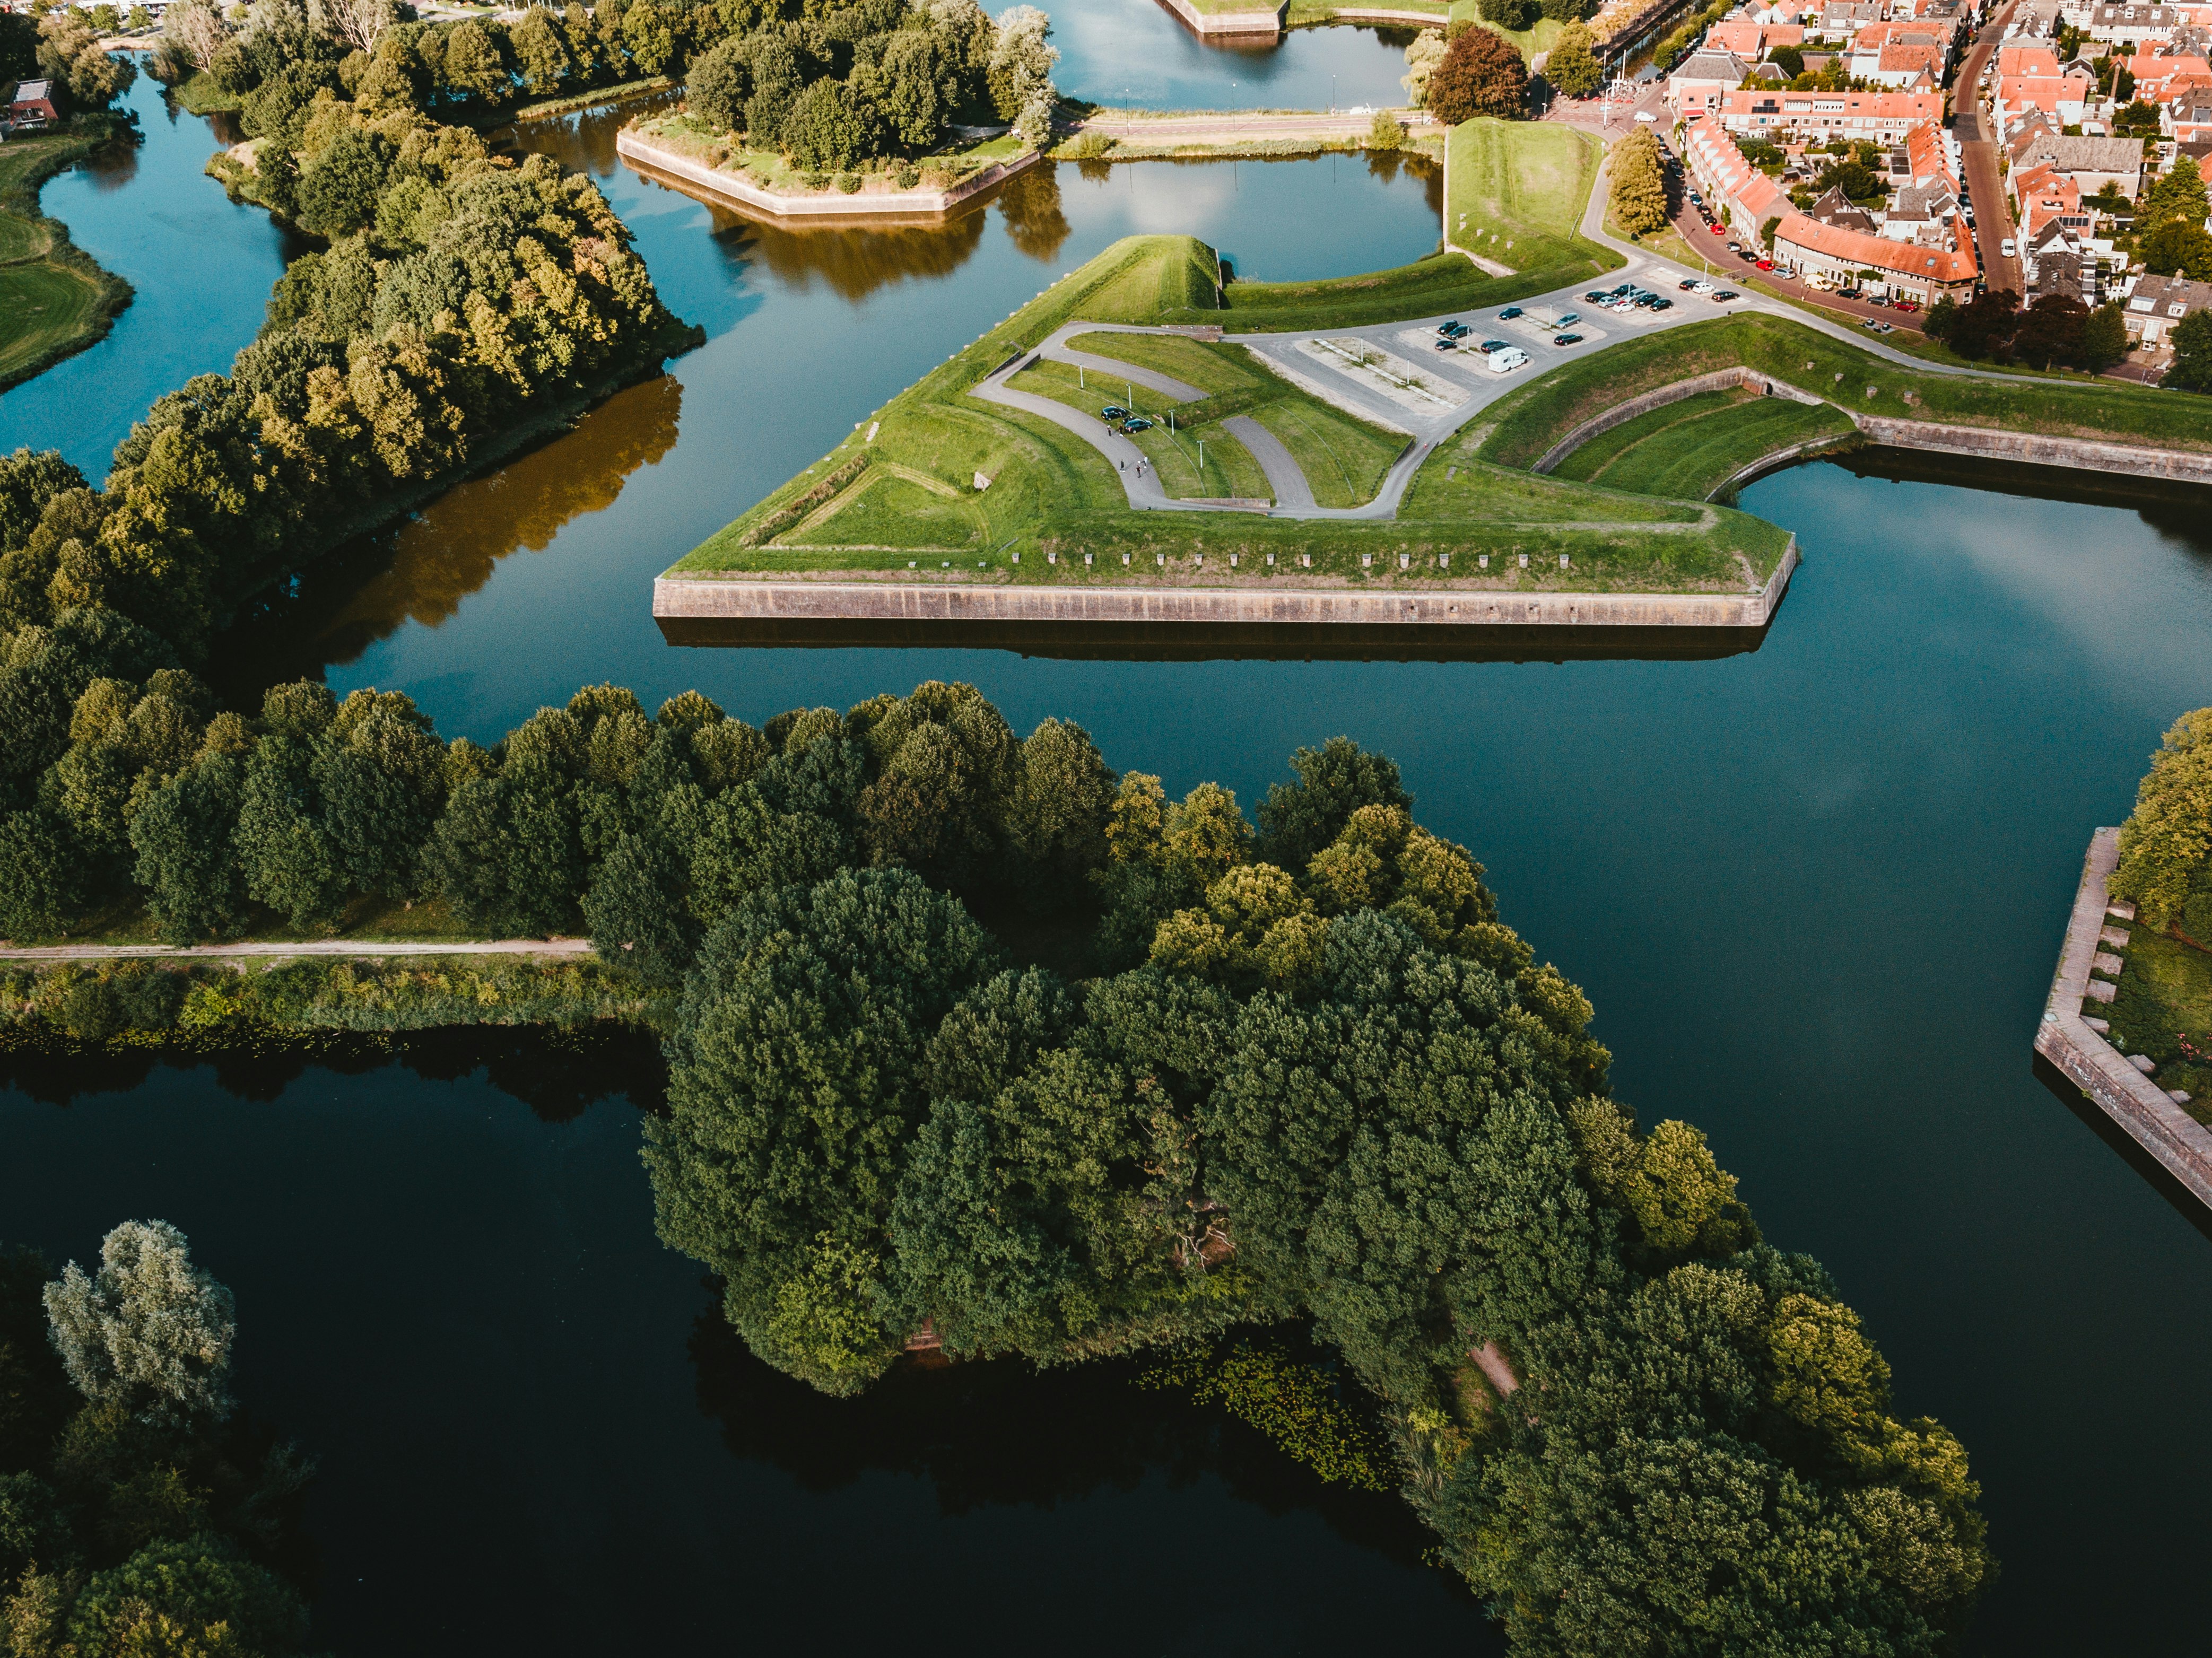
<point x="1261" y="20"/>
<point x="2182" y="1146"/>
<point x="2137" y="460"/>
<point x="1720" y="379"/>
<point x="751" y="597"/>
<point x="862" y="204"/>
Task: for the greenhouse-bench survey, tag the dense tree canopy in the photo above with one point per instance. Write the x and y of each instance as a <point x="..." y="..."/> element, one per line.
<point x="1481" y="73"/>
<point x="134" y="1518"/>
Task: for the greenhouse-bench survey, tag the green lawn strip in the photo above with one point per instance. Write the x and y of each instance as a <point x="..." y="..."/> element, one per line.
<point x="1312" y="13"/>
<point x="1344" y="459"/>
<point x="2165" y="994"/>
<point x="1527" y="182"/>
<point x="1457" y="488"/>
<point x="1196" y="363"/>
<point x="1587" y="463"/>
<point x="1518" y="431"/>
<point x="54" y="300"/>
<point x="1690" y="459"/>
<point x="1537" y="37"/>
<point x="700" y="141"/>
<point x="1228" y="467"/>
<point x="367" y="920"/>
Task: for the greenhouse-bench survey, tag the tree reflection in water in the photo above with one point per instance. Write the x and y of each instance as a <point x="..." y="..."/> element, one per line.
<point x="558" y="1074"/>
<point x="993" y="1432"/>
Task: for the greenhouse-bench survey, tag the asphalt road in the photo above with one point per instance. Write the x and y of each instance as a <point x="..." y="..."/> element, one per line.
<point x="1977" y="155"/>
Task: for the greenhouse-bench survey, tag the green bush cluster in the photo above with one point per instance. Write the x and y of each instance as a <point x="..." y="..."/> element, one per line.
<point x="127" y="1002"/>
<point x="1305" y="1074"/>
<point x="129" y="1531"/>
<point x="2164" y="868"/>
<point x="1297" y="1405"/>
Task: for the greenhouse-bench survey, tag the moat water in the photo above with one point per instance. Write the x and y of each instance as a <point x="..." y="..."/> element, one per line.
<point x="1815" y="891"/>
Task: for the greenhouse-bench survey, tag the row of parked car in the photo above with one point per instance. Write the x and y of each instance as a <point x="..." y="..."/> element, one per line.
<point x="1115" y="414"/>
<point x="1499" y="356"/>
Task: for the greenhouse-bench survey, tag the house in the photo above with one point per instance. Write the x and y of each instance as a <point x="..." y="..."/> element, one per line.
<point x="1842" y="19"/>
<point x="2157" y="304"/>
<point x="1833" y="207"/>
<point x="2188" y="118"/>
<point x="1702" y="78"/>
<point x="1900" y="54"/>
<point x="2136" y="23"/>
<point x="1732" y="187"/>
<point x="2057" y="262"/>
<point x="1920" y="214"/>
<point x="1881" y="118"/>
<point x="1831" y="256"/>
<point x="1752" y="41"/>
<point x="2157" y="74"/>
<point x="30" y="105"/>
<point x="1931" y="153"/>
<point x="2092" y="163"/>
<point x="2064" y="93"/>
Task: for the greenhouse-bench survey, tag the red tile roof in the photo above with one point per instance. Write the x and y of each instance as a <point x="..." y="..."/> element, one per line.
<point x="1874" y="253"/>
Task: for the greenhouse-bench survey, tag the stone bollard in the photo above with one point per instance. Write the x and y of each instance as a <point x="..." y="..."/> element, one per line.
<point x="1482" y="561"/>
<point x="1306" y="558"/>
<point x="1563" y="561"/>
<point x="1444" y="561"/>
<point x="1366" y="561"/>
<point x="1404" y="560"/>
<point x="1525" y="561"/>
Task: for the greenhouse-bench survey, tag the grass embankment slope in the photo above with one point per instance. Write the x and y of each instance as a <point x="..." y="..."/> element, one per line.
<point x="1526" y="181"/>
<point x="2163" y="1000"/>
<point x="1518" y="431"/>
<point x="907" y="498"/>
<point x="54" y="300"/>
<point x="1689" y="449"/>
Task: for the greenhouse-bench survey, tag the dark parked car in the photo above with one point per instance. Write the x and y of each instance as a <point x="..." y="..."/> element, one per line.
<point x="1595" y="296"/>
<point x="1113" y="411"/>
<point x="1725" y="295"/>
<point x="1136" y="423"/>
<point x="1489" y="346"/>
<point x="1566" y="339"/>
<point x="1571" y="318"/>
<point x="1508" y="313"/>
<point x="1662" y="305"/>
<point x="1686" y="283"/>
<point x="1454" y="329"/>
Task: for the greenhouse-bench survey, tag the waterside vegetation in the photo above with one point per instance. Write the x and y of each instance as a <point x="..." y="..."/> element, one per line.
<point x="2163" y="1005"/>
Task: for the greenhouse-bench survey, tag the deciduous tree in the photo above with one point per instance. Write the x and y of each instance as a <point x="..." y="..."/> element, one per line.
<point x="1481" y="75"/>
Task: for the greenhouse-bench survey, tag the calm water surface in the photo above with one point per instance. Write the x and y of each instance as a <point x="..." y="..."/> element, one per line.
<point x="1814" y="891"/>
<point x="202" y="269"/>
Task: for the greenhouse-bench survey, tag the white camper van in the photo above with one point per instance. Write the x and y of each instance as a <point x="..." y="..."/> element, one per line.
<point x="1505" y="361"/>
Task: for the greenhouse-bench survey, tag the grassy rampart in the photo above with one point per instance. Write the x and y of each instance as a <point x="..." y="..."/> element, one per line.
<point x="1522" y="427"/>
<point x="54" y="300"/>
<point x="1514" y="193"/>
<point x="910" y="504"/>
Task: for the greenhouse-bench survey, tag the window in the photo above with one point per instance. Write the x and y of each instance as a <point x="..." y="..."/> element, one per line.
<point x="2177" y="311"/>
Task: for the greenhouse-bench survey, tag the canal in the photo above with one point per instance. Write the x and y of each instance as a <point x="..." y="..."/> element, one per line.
<point x="1814" y="891"/>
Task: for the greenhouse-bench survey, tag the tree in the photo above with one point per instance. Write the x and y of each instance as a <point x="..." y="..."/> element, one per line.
<point x="718" y="84"/>
<point x="1020" y="71"/>
<point x="69" y="52"/>
<point x="473" y="67"/>
<point x="650" y="37"/>
<point x="339" y="189"/>
<point x="795" y="1082"/>
<point x="540" y="53"/>
<point x="195" y="31"/>
<point x="1639" y="185"/>
<point x="1515" y="14"/>
<point x="1335" y="780"/>
<point x="1942" y="317"/>
<point x="1481" y="75"/>
<point x="2191" y="367"/>
<point x="187" y="863"/>
<point x="360" y="23"/>
<point x="1422" y="57"/>
<point x="1384" y="132"/>
<point x="151" y="1333"/>
<point x="2104" y="337"/>
<point x="2166" y="836"/>
<point x="196" y="1597"/>
<point x="2050" y="331"/>
<point x="823" y="133"/>
<point x="1572" y="66"/>
<point x="2177" y="247"/>
<point x="2177" y="194"/>
<point x="1984" y="326"/>
<point x="1056" y="814"/>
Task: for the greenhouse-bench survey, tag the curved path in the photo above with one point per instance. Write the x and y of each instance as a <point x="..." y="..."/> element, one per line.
<point x="1284" y="476"/>
<point x="349" y="947"/>
<point x="1461" y="369"/>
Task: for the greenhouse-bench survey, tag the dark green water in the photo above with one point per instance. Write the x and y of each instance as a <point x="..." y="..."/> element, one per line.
<point x="1814" y="891"/>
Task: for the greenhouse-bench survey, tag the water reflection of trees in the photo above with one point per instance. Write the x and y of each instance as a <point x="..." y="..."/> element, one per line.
<point x="423" y="571"/>
<point x="1031" y="202"/>
<point x="997" y="1432"/>
<point x="854" y="260"/>
<point x="559" y="1074"/>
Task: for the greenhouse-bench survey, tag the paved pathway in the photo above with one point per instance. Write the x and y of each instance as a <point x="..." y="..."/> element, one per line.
<point x="1284" y="475"/>
<point x="1466" y="370"/>
<point x="1114" y="369"/>
<point x="346" y="947"/>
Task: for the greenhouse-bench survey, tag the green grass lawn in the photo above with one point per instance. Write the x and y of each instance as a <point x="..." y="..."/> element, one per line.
<point x="1051" y="492"/>
<point x="53" y="299"/>
<point x="1225" y="469"/>
<point x="1520" y="428"/>
<point x="1537" y="37"/>
<point x="1344" y="458"/>
<point x="1687" y="449"/>
<point x="1526" y="183"/>
<point x="2166" y="996"/>
<point x="1209" y="366"/>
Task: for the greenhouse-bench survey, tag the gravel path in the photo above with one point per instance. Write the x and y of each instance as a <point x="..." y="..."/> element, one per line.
<point x="342" y="947"/>
<point x="1284" y="476"/>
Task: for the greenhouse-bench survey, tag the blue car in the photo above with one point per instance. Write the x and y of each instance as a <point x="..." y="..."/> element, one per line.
<point x="1508" y="313"/>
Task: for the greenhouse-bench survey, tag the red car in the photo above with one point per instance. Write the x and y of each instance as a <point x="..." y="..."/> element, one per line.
<point x="1766" y="265"/>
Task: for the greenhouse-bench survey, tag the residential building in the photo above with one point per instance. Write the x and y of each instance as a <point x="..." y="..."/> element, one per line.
<point x="1734" y="189"/>
<point x="1752" y="41"/>
<point x="2136" y="23"/>
<point x="1831" y="257"/>
<point x="31" y="104"/>
<point x="1833" y="207"/>
<point x="2092" y="163"/>
<point x="1920" y="214"/>
<point x="1842" y="19"/>
<point x="1881" y="118"/>
<point x="2157" y="305"/>
<point x="1702" y="78"/>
